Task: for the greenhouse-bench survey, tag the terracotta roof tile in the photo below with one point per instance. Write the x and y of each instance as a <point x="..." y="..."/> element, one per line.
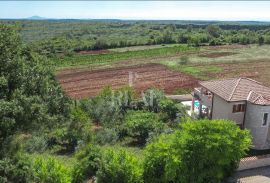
<point x="239" y="89"/>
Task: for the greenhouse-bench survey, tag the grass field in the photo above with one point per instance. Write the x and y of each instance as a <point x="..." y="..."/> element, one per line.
<point x="79" y="60"/>
<point x="212" y="63"/>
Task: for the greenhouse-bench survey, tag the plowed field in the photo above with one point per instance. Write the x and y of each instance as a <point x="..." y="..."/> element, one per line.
<point x="86" y="83"/>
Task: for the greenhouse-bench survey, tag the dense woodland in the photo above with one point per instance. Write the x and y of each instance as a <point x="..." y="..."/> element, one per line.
<point x="52" y="37"/>
<point x="117" y="136"/>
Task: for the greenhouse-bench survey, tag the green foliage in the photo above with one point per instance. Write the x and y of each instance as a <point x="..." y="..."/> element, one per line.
<point x="168" y="107"/>
<point x="109" y="107"/>
<point x="106" y="136"/>
<point x="119" y="167"/>
<point x="260" y="40"/>
<point x="31" y="98"/>
<point x="208" y="149"/>
<point x="88" y="164"/>
<point x="183" y="60"/>
<point x="15" y="170"/>
<point x="37" y="143"/>
<point x="49" y="170"/>
<point x="152" y="98"/>
<point x="155" y="101"/>
<point x="140" y="124"/>
<point x="213" y="30"/>
<point x="80" y="59"/>
<point x="76" y="130"/>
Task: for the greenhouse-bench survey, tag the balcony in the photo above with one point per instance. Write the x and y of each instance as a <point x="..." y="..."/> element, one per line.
<point x="204" y="96"/>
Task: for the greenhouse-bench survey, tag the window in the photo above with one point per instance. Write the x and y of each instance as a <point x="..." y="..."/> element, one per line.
<point x="265" y="119"/>
<point x="239" y="108"/>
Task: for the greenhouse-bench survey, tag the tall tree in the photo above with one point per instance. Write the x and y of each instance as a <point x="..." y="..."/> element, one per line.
<point x="213" y="30"/>
<point x="29" y="95"/>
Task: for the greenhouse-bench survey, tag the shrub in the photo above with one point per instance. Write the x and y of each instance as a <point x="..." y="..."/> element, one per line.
<point x="49" y="170"/>
<point x="16" y="170"/>
<point x="106" y="136"/>
<point x="140" y="124"/>
<point x="110" y="106"/>
<point x="155" y="101"/>
<point x="119" y="167"/>
<point x="36" y="144"/>
<point x="152" y="98"/>
<point x="208" y="149"/>
<point x="88" y="162"/>
<point x="169" y="108"/>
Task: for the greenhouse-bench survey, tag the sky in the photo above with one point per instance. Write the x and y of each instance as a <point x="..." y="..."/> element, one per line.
<point x="151" y="10"/>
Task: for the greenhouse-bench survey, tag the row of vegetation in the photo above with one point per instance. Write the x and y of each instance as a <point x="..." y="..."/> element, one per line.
<point x="77" y="60"/>
<point x="112" y="138"/>
<point x="53" y="38"/>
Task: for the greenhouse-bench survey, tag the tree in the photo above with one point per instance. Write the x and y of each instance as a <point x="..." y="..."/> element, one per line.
<point x="183" y="38"/>
<point x="167" y="37"/>
<point x="213" y="30"/>
<point x="30" y="97"/>
<point x="211" y="150"/>
<point x="140" y="124"/>
<point x="260" y="40"/>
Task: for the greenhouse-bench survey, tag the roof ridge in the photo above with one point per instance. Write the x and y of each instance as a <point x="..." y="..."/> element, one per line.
<point x="249" y="94"/>
<point x="224" y="79"/>
<point x="235" y="88"/>
<point x="252" y="80"/>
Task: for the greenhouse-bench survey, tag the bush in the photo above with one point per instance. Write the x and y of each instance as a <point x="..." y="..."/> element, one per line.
<point x="208" y="149"/>
<point x="119" y="167"/>
<point x="152" y="98"/>
<point x="106" y="136"/>
<point x="36" y="144"/>
<point x="169" y="108"/>
<point x="49" y="170"/>
<point x="88" y="163"/>
<point x="140" y="124"/>
<point x="15" y="170"/>
<point x="110" y="106"/>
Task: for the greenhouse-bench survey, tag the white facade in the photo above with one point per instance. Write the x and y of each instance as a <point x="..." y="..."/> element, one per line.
<point x="254" y="122"/>
<point x="224" y="110"/>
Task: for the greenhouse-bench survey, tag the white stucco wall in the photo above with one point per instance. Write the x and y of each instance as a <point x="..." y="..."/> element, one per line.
<point x="223" y="110"/>
<point x="254" y="121"/>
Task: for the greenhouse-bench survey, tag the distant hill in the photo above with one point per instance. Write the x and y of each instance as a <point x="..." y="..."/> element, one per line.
<point x="36" y="18"/>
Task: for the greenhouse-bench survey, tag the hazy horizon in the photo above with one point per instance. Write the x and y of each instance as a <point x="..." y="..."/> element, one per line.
<point x="140" y="10"/>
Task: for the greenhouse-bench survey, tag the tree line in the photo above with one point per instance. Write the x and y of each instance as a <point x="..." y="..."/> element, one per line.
<point x="67" y="37"/>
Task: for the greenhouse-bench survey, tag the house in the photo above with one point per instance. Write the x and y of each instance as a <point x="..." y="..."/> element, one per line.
<point x="243" y="100"/>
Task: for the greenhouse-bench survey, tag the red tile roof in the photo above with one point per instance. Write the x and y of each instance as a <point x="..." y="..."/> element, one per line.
<point x="239" y="89"/>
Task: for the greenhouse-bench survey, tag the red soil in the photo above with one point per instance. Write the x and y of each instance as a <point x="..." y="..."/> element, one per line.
<point x="86" y="83"/>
